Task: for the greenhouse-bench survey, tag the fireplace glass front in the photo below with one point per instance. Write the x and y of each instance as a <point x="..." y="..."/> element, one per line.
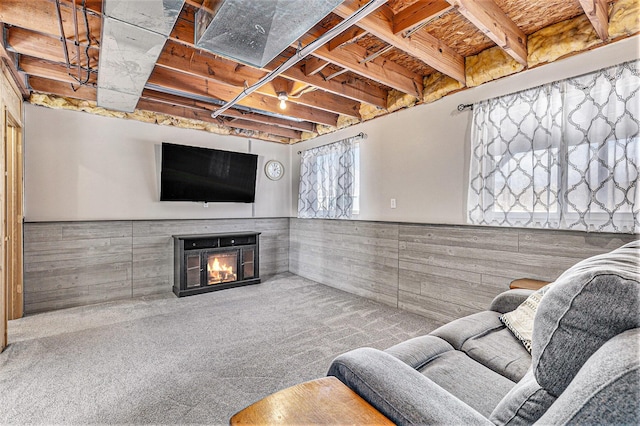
<point x="222" y="267"/>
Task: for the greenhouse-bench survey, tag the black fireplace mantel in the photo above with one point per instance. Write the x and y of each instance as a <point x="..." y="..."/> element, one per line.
<point x="210" y="262"/>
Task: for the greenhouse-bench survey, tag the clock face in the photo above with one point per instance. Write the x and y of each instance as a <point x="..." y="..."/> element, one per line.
<point x="274" y="170"/>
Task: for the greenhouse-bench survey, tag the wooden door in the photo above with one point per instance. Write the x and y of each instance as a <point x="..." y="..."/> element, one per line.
<point x="4" y="288"/>
<point x="13" y="217"/>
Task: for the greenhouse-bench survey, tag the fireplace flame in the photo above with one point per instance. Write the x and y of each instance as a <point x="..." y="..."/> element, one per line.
<point x="220" y="272"/>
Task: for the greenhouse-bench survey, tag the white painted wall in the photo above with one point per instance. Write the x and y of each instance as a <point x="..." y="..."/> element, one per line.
<point x="84" y="167"/>
<point x="80" y="166"/>
<point x="420" y="155"/>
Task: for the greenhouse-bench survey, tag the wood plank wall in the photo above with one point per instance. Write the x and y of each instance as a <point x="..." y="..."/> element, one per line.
<point x="78" y="263"/>
<point x="440" y="272"/>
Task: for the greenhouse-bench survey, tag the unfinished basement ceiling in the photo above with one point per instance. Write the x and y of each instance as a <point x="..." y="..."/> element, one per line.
<point x="405" y="53"/>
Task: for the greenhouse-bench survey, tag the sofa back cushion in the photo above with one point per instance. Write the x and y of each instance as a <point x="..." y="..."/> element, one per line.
<point x="606" y="390"/>
<point x="589" y="304"/>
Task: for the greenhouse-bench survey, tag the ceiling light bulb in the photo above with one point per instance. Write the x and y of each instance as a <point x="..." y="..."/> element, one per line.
<point x="283" y="99"/>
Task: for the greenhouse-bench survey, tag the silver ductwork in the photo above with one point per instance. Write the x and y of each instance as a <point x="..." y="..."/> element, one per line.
<point x="254" y="32"/>
<point x="133" y="35"/>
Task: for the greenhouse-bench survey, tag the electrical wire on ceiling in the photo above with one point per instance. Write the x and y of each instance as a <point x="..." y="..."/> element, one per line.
<point x="78" y="76"/>
<point x="299" y="93"/>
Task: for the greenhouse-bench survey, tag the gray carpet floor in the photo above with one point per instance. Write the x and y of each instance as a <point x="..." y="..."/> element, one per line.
<point x="198" y="359"/>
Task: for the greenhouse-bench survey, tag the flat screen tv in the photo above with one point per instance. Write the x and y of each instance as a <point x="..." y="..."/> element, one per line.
<point x="190" y="173"/>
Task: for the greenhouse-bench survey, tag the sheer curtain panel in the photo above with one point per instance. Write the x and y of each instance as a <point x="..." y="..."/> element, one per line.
<point x="562" y="156"/>
<point x="327" y="177"/>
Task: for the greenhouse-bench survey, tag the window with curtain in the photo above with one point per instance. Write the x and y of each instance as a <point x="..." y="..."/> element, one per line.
<point x="329" y="181"/>
<point x="564" y="155"/>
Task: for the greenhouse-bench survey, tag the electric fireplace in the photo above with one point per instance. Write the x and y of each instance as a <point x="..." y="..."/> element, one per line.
<point x="209" y="262"/>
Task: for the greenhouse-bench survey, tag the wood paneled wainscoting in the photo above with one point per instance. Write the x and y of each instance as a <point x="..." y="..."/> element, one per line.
<point x="78" y="263"/>
<point x="441" y="272"/>
<point x="438" y="271"/>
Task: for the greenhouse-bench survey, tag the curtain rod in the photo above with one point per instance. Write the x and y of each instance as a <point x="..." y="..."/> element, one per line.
<point x="462" y="107"/>
<point x="360" y="135"/>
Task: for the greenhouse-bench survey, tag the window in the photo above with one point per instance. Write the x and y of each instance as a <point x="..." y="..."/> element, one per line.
<point x="565" y="155"/>
<point x="329" y="181"/>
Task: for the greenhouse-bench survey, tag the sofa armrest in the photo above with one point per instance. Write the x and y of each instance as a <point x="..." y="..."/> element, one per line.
<point x="399" y="392"/>
<point x="509" y="300"/>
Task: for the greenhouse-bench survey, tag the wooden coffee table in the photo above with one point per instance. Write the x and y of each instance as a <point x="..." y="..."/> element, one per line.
<point x="321" y="401"/>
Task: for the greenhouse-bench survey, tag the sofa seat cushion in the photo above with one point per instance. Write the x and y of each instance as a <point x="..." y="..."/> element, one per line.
<point x="500" y="351"/>
<point x="419" y="351"/>
<point x="468" y="380"/>
<point x="484" y="338"/>
<point x="459" y="331"/>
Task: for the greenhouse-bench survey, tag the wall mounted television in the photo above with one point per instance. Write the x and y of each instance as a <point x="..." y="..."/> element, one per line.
<point x="190" y="173"/>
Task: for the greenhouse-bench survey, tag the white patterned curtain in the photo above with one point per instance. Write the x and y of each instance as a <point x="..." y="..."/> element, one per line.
<point x="565" y="155"/>
<point x="327" y="177"/>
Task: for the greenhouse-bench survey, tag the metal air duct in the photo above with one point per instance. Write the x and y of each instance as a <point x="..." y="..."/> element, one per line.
<point x="133" y="35"/>
<point x="254" y="32"/>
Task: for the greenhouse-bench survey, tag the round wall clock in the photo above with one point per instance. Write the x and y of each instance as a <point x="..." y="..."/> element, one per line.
<point x="274" y="169"/>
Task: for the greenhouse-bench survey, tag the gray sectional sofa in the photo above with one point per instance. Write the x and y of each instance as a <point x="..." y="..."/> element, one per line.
<point x="584" y="366"/>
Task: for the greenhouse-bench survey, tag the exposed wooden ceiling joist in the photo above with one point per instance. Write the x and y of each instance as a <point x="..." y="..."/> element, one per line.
<point x="598" y="13"/>
<point x="418" y="14"/>
<point x="492" y="21"/>
<point x="420" y="45"/>
<point x="199" y="86"/>
<point x="356" y="90"/>
<point x="27" y="42"/>
<point x="303" y="126"/>
<point x="347" y="36"/>
<point x="386" y="72"/>
<point x="41" y="16"/>
<point x="183" y="58"/>
<point x="313" y="65"/>
<point x="10" y="61"/>
<point x="52" y="70"/>
<point x="59" y="88"/>
<point x="205" y="115"/>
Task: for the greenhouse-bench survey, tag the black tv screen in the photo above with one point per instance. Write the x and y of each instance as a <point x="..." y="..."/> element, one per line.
<point x="190" y="173"/>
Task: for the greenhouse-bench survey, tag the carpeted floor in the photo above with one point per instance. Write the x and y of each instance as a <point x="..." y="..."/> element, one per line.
<point x="196" y="359"/>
